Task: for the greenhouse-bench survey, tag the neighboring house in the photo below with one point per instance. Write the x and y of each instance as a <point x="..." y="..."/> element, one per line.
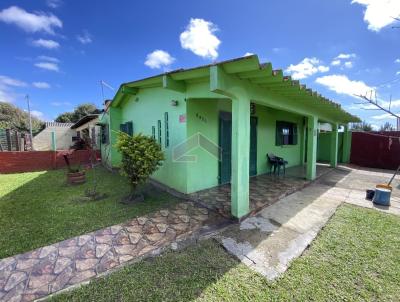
<point x="216" y="123"/>
<point x="63" y="137"/>
<point x="87" y="127"/>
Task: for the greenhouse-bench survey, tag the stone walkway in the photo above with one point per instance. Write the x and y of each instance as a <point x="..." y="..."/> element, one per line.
<point x="281" y="232"/>
<point x="38" y="273"/>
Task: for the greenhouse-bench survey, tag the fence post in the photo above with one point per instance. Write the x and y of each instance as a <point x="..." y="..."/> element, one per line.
<point x="54" y="149"/>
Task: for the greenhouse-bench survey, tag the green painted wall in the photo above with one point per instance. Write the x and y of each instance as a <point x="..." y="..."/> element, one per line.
<point x="324" y="146"/>
<point x="203" y="117"/>
<point x="144" y="110"/>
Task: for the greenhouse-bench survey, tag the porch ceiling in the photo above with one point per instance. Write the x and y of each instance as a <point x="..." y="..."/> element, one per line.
<point x="247" y="69"/>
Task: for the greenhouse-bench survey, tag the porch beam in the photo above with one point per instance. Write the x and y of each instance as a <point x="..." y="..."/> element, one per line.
<point x="334" y="146"/>
<point x="240" y="157"/>
<point x="312" y="124"/>
<point x="221" y="82"/>
<point x="129" y="90"/>
<point x="171" y="84"/>
<point x="233" y="87"/>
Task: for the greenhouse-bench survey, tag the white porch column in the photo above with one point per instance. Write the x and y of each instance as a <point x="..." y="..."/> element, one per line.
<point x="312" y="124"/>
<point x="240" y="157"/>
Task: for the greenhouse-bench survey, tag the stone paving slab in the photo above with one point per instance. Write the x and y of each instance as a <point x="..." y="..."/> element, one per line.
<point x="41" y="272"/>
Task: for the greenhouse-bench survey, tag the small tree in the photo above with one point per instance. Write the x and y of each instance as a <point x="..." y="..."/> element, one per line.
<point x="141" y="157"/>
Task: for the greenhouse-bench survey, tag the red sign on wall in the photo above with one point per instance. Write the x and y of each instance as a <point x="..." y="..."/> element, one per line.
<point x="182" y="118"/>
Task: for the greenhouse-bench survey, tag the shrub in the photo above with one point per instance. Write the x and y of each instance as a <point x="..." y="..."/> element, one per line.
<point x="141" y="157"/>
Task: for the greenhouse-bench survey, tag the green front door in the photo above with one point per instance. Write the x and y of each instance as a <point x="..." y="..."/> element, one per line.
<point x="225" y="143"/>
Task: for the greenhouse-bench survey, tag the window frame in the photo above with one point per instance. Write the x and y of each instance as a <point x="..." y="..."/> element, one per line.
<point x="286" y="133"/>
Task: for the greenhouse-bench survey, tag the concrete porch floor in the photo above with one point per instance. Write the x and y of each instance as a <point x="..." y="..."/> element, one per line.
<point x="265" y="190"/>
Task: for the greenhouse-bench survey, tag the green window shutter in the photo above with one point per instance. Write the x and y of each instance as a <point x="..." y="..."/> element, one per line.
<point x="153" y="132"/>
<point x="122" y="128"/>
<point x="129" y="128"/>
<point x="166" y="129"/>
<point x="278" y="134"/>
<point x="294" y="134"/>
<point x="159" y="131"/>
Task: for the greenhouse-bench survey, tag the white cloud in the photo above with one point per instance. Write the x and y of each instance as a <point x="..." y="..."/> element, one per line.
<point x="37" y="114"/>
<point x="346" y="56"/>
<point x="48" y="66"/>
<point x="199" y="38"/>
<point x="85" y="37"/>
<point x="338" y="60"/>
<point x="49" y="44"/>
<point x="398" y="73"/>
<point x="307" y="67"/>
<point x="48" y="59"/>
<point x="341" y="84"/>
<point x="41" y="85"/>
<point x="379" y="13"/>
<point x="397" y="61"/>
<point x="383" y="116"/>
<point x="248" y="54"/>
<point x="6" y="84"/>
<point x="348" y="64"/>
<point x="383" y="103"/>
<point x="54" y="3"/>
<point x="30" y="22"/>
<point x="7" y="81"/>
<point x="158" y="59"/>
<point x="59" y="104"/>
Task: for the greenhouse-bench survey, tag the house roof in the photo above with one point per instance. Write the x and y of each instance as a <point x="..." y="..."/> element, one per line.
<point x="245" y="68"/>
<point x="57" y="124"/>
<point x="84" y="120"/>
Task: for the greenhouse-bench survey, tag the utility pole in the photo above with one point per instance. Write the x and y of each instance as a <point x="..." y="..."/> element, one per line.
<point x="30" y="119"/>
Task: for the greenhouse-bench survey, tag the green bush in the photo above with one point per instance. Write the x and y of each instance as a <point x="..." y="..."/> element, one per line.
<point x="141" y="157"/>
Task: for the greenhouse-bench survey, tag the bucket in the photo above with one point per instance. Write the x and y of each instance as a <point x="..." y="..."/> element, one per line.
<point x="370" y="194"/>
<point x="384" y="186"/>
<point x="382" y="196"/>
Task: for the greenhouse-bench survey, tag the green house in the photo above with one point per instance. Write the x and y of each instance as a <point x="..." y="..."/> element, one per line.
<point x="216" y="123"/>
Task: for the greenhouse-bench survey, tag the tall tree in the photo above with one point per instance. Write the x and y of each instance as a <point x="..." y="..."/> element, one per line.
<point x="79" y="112"/>
<point x="12" y="117"/>
<point x="387" y="127"/>
<point x="363" y="126"/>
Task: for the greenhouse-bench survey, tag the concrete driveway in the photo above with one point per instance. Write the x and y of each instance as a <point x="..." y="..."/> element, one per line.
<point x="281" y="232"/>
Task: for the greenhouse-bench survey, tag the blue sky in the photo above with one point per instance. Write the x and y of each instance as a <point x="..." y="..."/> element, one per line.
<point x="57" y="51"/>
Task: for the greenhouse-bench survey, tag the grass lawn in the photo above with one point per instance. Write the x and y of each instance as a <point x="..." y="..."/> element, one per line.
<point x="355" y="257"/>
<point x="39" y="208"/>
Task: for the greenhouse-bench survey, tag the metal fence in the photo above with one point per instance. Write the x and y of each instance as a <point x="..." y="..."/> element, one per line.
<point x="12" y="140"/>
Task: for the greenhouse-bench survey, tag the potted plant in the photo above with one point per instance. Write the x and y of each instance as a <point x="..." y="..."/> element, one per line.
<point x="74" y="175"/>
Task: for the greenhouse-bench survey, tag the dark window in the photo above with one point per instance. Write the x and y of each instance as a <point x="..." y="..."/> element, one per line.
<point x="286" y="133"/>
<point x="104" y="134"/>
<point x="127" y="128"/>
<point x="166" y="129"/>
<point x="153" y="132"/>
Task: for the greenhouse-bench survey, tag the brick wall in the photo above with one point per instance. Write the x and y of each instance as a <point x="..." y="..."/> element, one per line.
<point x="13" y="162"/>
